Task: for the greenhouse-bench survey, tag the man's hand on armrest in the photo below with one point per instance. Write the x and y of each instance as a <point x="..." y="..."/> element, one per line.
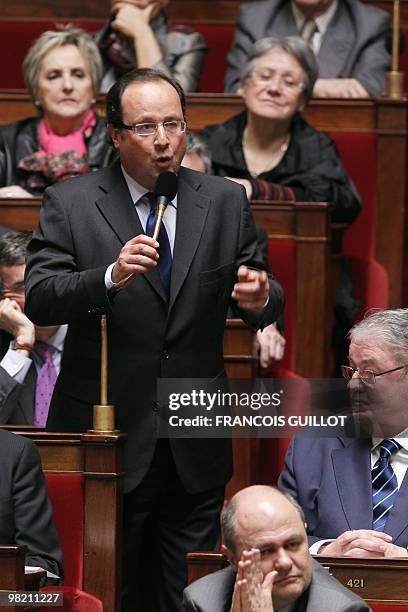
<point x="339" y="88"/>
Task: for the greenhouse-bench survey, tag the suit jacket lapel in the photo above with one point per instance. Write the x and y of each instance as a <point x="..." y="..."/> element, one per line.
<point x="27" y="405"/>
<point x="352" y="470"/>
<point x="284" y="21"/>
<point x="336" y="44"/>
<point x="192" y="210"/>
<point x="116" y="206"/>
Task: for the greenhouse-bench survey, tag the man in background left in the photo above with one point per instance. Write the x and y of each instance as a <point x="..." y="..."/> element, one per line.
<point x="30" y="355"/>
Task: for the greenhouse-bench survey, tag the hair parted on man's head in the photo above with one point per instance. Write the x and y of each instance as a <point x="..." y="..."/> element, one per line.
<point x="114" y="115"/>
<point x="52" y="39"/>
<point x="388" y="327"/>
<point x="13" y="247"/>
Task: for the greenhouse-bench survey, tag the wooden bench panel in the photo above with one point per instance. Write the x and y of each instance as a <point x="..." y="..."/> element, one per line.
<point x="98" y="458"/>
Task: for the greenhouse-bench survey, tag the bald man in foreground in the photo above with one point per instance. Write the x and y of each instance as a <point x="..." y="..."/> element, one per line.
<point x="271" y="569"/>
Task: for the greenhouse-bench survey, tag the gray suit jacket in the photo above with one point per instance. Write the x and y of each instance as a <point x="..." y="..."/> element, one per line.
<point x="331" y="480"/>
<point x="84" y="223"/>
<point x="354" y="45"/>
<point x="25" y="510"/>
<point x="213" y="593"/>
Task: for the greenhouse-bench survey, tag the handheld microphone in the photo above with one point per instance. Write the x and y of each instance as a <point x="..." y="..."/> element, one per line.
<point x="164" y="192"/>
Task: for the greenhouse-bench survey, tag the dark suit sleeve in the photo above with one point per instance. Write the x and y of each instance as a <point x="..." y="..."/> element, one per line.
<point x="9" y="393"/>
<point x="251" y="256"/>
<point x="33" y="514"/>
<point x="324" y="179"/>
<point x="375" y="58"/>
<point x="70" y="294"/>
<point x="237" y="56"/>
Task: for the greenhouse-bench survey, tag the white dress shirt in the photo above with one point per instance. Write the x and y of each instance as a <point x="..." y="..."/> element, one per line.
<point x="17" y="365"/>
<point x="143" y="209"/>
<point x="398" y="461"/>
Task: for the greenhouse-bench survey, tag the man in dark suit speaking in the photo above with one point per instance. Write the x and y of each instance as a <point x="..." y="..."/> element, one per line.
<point x="167" y="322"/>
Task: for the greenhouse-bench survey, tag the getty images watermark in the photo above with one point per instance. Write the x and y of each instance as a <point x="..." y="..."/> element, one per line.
<point x="246" y="408"/>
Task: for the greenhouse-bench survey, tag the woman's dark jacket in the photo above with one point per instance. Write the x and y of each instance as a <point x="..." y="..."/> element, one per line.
<point x="311" y="168"/>
<point x="20" y="139"/>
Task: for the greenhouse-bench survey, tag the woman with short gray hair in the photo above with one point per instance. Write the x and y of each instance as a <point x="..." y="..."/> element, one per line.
<point x="62" y="70"/>
<point x="269" y="148"/>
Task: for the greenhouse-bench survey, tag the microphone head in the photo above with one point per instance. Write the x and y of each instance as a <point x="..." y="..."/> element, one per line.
<point x="166" y="185"/>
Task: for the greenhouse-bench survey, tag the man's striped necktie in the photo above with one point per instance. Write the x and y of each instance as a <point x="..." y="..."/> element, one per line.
<point x="385" y="486"/>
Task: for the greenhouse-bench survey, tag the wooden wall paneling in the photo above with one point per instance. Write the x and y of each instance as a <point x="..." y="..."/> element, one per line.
<point x="240" y="364"/>
<point x="391" y="228"/>
<point x="12" y="559"/>
<point x="308" y="224"/>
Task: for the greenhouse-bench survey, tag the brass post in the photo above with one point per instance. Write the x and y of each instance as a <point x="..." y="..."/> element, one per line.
<point x="104" y="413"/>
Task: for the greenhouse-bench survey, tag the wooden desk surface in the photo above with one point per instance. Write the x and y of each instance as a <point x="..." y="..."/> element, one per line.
<point x="382" y="581"/>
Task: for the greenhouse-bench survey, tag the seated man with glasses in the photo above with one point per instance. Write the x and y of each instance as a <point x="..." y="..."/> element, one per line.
<point x="354" y="490"/>
<point x="30" y="356"/>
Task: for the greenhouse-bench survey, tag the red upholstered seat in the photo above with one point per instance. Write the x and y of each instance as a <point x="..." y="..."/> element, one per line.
<point x="271" y="451"/>
<point x="370" y="282"/>
<point x="75" y="600"/>
<point x="358" y="152"/>
<point x="219" y="40"/>
<point x="387" y="608"/>
<point x="16" y="37"/>
<point x="66" y="492"/>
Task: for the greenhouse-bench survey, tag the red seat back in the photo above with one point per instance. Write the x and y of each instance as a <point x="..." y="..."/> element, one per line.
<point x="272" y="451"/>
<point x="358" y="153"/>
<point x="15" y="39"/>
<point x="219" y="40"/>
<point x="370" y="283"/>
<point x="74" y="599"/>
<point x="66" y="492"/>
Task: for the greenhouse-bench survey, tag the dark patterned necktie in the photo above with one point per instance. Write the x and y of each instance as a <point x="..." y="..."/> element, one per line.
<point x="165" y="259"/>
<point x="45" y="384"/>
<point x="385" y="486"/>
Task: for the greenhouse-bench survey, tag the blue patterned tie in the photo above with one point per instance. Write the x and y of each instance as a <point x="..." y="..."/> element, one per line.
<point x="165" y="259"/>
<point x="385" y="486"/>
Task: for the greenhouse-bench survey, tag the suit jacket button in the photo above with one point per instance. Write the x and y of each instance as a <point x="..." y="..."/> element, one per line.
<point x="165" y="355"/>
